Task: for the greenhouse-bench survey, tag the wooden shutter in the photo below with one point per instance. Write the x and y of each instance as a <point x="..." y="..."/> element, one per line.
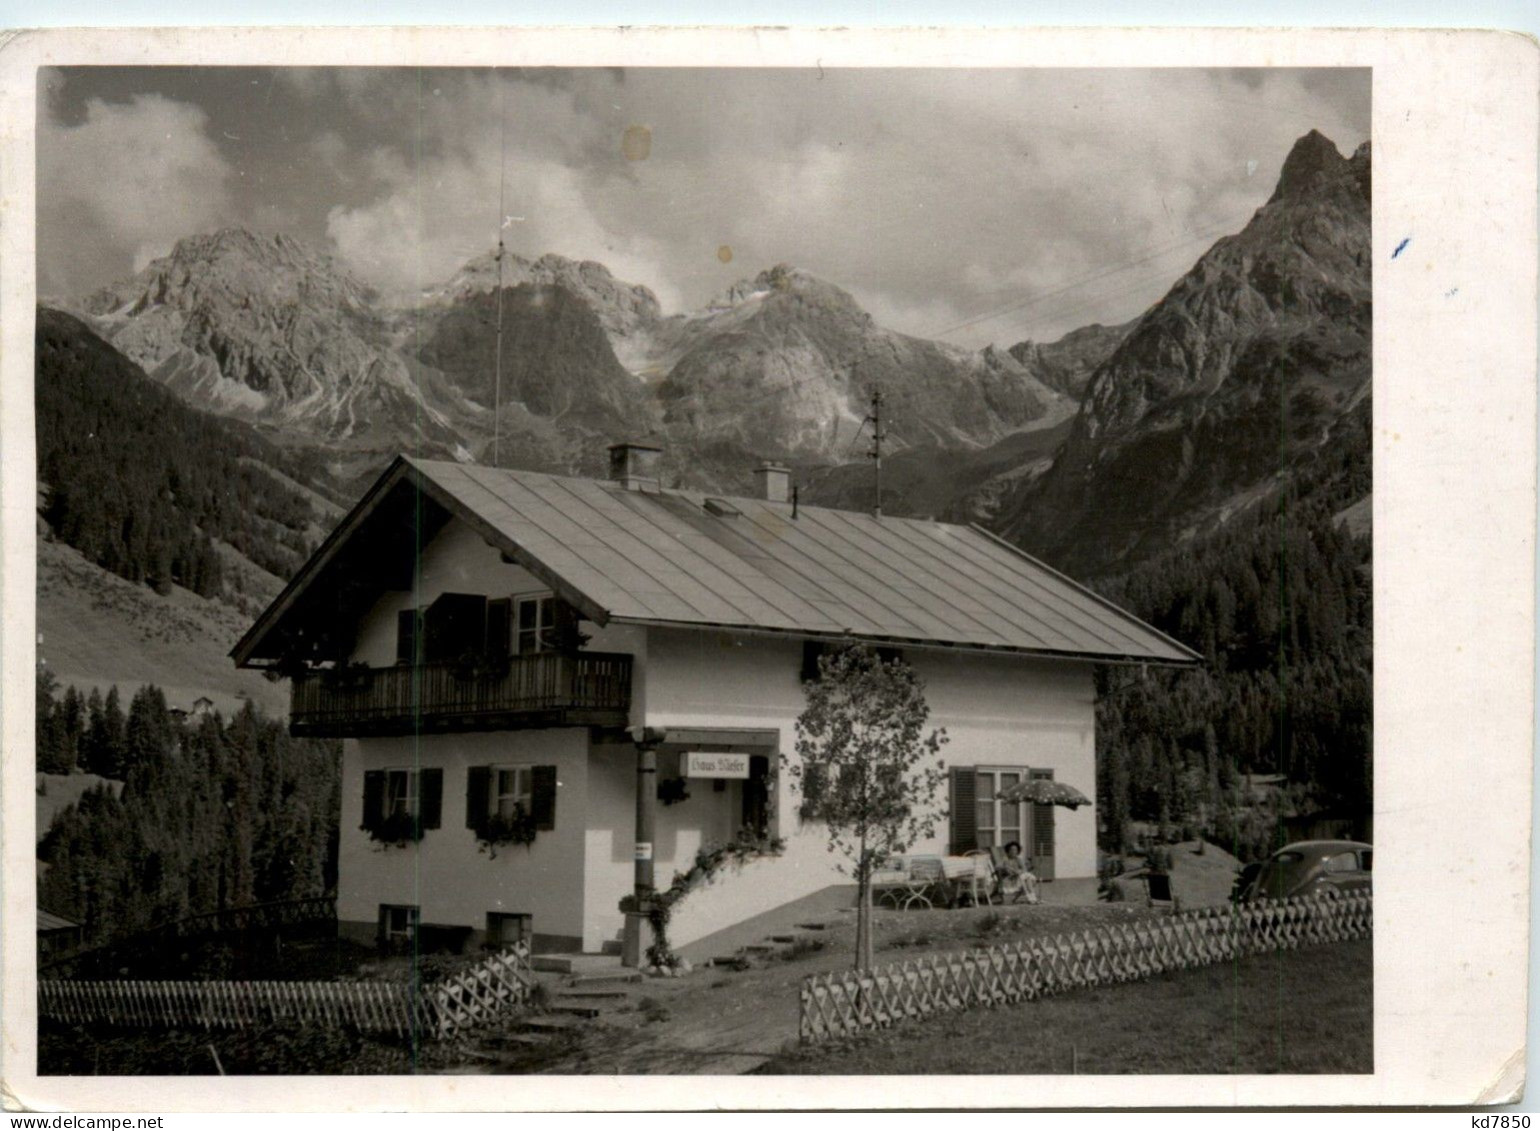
<point x="478" y="786"/>
<point x="756" y="795"/>
<point x="499" y="628"/>
<point x="374" y="799"/>
<point x="564" y="626"/>
<point x="815" y="780"/>
<point x="430" y="806"/>
<point x="965" y="814"/>
<point x="406" y="636"/>
<point x="543" y="799"/>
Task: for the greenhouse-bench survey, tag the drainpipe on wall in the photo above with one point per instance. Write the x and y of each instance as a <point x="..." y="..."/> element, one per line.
<point x="647" y="740"/>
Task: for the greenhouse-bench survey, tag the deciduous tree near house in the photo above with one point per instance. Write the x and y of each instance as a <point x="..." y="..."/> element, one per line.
<point x="865" y="766"/>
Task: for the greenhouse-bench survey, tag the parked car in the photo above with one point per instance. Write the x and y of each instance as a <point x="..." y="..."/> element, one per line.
<point x="1309" y="867"/>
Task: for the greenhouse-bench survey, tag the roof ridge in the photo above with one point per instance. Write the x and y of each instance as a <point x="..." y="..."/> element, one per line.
<point x="683" y="492"/>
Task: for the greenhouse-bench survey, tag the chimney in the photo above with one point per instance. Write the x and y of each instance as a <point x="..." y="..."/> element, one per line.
<point x="774" y="482"/>
<point x="635" y="466"/>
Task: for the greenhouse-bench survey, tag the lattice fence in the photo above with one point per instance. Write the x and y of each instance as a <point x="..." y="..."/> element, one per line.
<point x="841" y="1003"/>
<point x="499" y="984"/>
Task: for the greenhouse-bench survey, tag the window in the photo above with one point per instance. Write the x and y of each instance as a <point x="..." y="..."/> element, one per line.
<point x="454" y="627"/>
<point x="494" y="791"/>
<point x="398" y="923"/>
<point x="536" y="624"/>
<point x="512" y="787"/>
<point x="507" y="928"/>
<point x="402" y="801"/>
<point x="401" y="793"/>
<point x="812" y="650"/>
<point x="979" y="819"/>
<point x="999" y="822"/>
<point x="1342" y="862"/>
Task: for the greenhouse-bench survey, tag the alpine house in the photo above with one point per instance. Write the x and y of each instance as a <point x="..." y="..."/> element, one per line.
<point x="507" y="655"/>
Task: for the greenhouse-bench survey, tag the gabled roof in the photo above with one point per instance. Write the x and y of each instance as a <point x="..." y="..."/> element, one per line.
<point x="663" y="558"/>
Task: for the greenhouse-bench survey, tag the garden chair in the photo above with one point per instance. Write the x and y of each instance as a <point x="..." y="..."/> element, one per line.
<point x="927" y="878"/>
<point x="984" y="881"/>
<point x="890" y="884"/>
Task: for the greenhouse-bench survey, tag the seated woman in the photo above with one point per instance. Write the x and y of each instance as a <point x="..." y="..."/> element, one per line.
<point x="1016" y="876"/>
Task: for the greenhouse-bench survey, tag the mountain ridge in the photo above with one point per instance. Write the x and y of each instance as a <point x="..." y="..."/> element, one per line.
<point x="1243" y="369"/>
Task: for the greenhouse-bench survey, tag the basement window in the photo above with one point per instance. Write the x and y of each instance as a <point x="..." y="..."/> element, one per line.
<point x="505" y="928"/>
<point x="398" y="922"/>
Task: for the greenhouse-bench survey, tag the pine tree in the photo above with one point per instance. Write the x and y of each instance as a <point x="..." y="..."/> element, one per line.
<point x="52" y="748"/>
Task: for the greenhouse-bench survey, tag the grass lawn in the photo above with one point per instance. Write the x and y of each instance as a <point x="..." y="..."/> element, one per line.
<point x="1303" y="1011"/>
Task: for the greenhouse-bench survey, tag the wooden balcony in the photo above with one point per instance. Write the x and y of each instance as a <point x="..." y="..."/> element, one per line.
<point x="543" y="690"/>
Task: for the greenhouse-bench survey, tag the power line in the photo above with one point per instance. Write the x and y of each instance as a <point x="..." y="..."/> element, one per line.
<point x="1221" y="228"/>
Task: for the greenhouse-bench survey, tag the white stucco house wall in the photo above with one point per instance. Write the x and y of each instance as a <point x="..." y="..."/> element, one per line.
<point x="490" y="644"/>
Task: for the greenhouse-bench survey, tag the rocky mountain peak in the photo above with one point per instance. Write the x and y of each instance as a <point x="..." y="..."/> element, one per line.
<point x="785" y="282"/>
<point x="1250" y="361"/>
<point x="624" y="309"/>
<point x="1312" y="164"/>
<point x="235" y="266"/>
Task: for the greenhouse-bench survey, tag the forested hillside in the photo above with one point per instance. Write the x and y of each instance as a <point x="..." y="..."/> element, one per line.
<point x="143" y="485"/>
<point x="212" y="814"/>
<point x="1279" y="601"/>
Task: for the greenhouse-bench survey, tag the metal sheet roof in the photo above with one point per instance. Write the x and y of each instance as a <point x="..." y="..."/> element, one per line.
<point x="664" y="558"/>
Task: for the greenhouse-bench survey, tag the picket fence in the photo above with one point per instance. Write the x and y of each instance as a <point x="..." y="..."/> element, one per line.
<point x="842" y="1003"/>
<point x="499" y="984"/>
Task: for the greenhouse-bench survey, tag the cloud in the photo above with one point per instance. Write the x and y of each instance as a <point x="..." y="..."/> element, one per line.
<point x="124" y="184"/>
<point x="1004" y="204"/>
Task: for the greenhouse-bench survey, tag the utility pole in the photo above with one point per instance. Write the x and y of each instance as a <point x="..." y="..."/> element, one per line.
<point x="876" y="452"/>
<point x="502" y="223"/>
<point x="647" y="740"/>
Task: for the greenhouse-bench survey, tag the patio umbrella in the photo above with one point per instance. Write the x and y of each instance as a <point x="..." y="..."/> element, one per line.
<point x="1044" y="791"/>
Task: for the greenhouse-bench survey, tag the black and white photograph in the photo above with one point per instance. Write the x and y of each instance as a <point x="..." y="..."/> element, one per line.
<point x="652" y="570"/>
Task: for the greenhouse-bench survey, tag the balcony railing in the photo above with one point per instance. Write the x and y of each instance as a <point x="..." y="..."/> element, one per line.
<point x="546" y="689"/>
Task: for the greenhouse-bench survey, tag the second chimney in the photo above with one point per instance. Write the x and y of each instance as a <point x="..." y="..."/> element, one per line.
<point x="635" y="466"/>
<point x="774" y="482"/>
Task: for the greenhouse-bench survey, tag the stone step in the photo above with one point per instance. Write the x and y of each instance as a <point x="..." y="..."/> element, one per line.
<point x="762" y="948"/>
<point x="614" y="977"/>
<point x="574" y="1009"/>
<point x="595" y="994"/>
<point x="731" y="961"/>
<point x="523" y="1040"/>
<point x="574" y="963"/>
<point x="551" y="963"/>
<point x="546" y="1023"/>
<point x="812" y="926"/>
<point x="783" y="938"/>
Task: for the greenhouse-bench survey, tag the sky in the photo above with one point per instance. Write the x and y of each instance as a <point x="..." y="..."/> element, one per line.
<point x="974" y="206"/>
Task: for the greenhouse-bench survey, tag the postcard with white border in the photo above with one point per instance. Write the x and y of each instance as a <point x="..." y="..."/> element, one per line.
<point x="766" y="568"/>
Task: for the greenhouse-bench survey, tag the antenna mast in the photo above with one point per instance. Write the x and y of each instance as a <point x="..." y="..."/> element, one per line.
<point x="502" y="177"/>
<point x="876" y="452"/>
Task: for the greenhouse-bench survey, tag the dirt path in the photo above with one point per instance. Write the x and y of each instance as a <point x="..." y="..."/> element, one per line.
<point x="718" y="1020"/>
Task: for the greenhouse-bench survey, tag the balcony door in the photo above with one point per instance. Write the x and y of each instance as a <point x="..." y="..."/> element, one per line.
<point x="454" y="627"/>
